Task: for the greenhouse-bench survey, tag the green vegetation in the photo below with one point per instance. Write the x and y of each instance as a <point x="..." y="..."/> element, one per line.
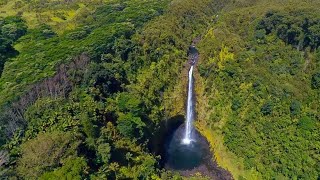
<point x="72" y="169"/>
<point x="44" y="152"/>
<point x="299" y="28"/>
<point x="260" y="71"/>
<point x="41" y="51"/>
<point x="61" y="15"/>
<point x="95" y="90"/>
<point x="85" y="87"/>
<point x="11" y="28"/>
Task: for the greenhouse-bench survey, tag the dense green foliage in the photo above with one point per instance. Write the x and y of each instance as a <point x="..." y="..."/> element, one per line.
<point x="11" y="29"/>
<point x="86" y="87"/>
<point x="45" y="152"/>
<point x="41" y="51"/>
<point x="109" y="109"/>
<point x="299" y="28"/>
<point x="261" y="76"/>
<point x="72" y="169"/>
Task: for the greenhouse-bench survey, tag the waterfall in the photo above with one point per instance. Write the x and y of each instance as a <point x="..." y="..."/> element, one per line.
<point x="188" y="128"/>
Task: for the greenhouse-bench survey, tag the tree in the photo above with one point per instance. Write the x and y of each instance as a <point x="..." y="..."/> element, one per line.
<point x="72" y="169"/>
<point x="130" y="126"/>
<point x="129" y="103"/>
<point x="315" y="81"/>
<point x="13" y="28"/>
<point x="306" y="123"/>
<point x="46" y="152"/>
<point x="266" y="108"/>
<point x="104" y="153"/>
<point x="295" y="107"/>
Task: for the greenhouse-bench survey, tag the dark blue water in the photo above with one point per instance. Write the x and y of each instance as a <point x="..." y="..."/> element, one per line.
<point x="193" y="50"/>
<point x="180" y="156"/>
<point x="193" y="55"/>
<point x="193" y="158"/>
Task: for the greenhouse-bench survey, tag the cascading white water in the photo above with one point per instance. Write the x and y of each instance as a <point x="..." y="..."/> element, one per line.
<point x="187" y="139"/>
